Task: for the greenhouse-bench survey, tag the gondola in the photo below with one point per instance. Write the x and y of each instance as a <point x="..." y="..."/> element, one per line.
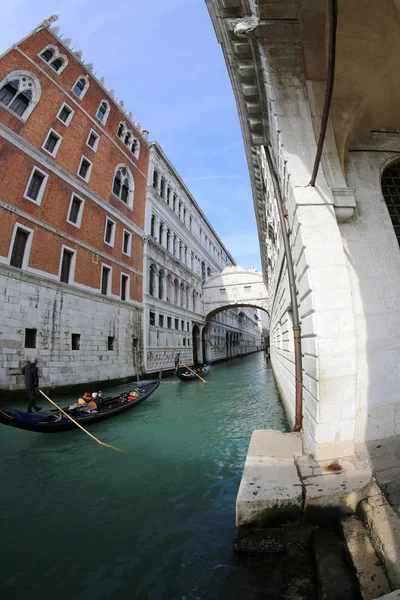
<point x="53" y="421"/>
<point x="185" y="375"/>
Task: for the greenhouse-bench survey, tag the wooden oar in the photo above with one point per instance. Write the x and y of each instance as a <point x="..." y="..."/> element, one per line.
<point x="197" y="375"/>
<point x="80" y="426"/>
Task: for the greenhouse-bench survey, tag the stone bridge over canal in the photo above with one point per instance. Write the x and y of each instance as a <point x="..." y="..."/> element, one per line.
<point x="232" y="288"/>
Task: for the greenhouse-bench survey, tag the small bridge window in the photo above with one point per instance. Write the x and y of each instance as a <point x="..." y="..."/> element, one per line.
<point x="247" y="289"/>
<point x="222" y="291"/>
<point x="391" y="193"/>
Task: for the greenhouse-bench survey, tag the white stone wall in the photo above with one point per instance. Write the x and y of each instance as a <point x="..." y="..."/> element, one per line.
<point x="373" y="264"/>
<point x="57" y="311"/>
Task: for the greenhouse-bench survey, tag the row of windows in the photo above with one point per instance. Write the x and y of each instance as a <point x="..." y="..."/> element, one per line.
<point x="167" y="322"/>
<point x="19" y="256"/>
<point x="169" y="289"/>
<point x="20" y="92"/>
<point x="177" y="207"/>
<point x="171" y="242"/>
<point x="31" y="340"/>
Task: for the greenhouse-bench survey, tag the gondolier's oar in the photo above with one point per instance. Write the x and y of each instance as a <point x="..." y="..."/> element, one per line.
<point x="197" y="375"/>
<point x="80" y="426"/>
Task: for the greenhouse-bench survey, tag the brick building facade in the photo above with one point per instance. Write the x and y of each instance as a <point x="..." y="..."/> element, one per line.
<point x="73" y="173"/>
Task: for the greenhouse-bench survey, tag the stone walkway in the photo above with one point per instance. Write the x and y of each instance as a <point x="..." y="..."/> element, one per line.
<point x="384" y="458"/>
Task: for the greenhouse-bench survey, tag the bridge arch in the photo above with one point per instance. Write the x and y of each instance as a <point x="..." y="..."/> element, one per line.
<point x="234" y="287"/>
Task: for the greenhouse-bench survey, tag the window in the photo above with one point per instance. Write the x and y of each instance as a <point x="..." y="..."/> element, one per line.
<point x="183" y="325"/>
<point x="128" y="137"/>
<point x="80" y="87"/>
<point x="155" y="179"/>
<point x="66" y="265"/>
<point x="153" y="226"/>
<point x="162" y="187"/>
<point x="105" y="280"/>
<point x="152" y="280"/>
<point x="93" y="140"/>
<point x="169" y="322"/>
<point x="57" y="61"/>
<point x="123" y="185"/>
<point x="179" y="209"/>
<point x="184" y="341"/>
<point x="124" y="287"/>
<point x="176" y="323"/>
<point x="102" y="111"/>
<point x="85" y="168"/>
<point x="391" y="193"/>
<point x="65" y="114"/>
<point x="152" y="318"/>
<point x="75" y="211"/>
<point x="135" y="147"/>
<point x="187" y="326"/>
<point x="168" y="194"/>
<point x="121" y="129"/>
<point x="19" y="246"/>
<point x="174" y="202"/>
<point x="52" y="142"/>
<point x="110" y="343"/>
<point x="30" y="338"/>
<point x="126" y="242"/>
<point x="161" y="320"/>
<point x="20" y="92"/>
<point x="109" y="233"/>
<point x="75" y="341"/>
<point x="36" y="185"/>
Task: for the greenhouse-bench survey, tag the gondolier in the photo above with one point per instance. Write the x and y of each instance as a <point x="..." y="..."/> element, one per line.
<point x="31" y="379"/>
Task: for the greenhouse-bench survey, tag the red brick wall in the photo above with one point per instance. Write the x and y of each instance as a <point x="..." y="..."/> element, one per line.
<point x="53" y="210"/>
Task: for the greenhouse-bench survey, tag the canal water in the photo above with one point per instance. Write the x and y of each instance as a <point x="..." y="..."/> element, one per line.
<point x="82" y="522"/>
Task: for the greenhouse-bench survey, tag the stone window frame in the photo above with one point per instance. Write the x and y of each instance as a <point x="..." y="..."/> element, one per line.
<point x="106" y="114"/>
<point x="128" y="287"/>
<point x="96" y="145"/>
<point x="38" y="200"/>
<point x="113" y="231"/>
<point x="27" y="252"/>
<point x="73" y="264"/>
<point x="80" y="214"/>
<point x="85" y="89"/>
<point x="87" y="178"/>
<point x="104" y="267"/>
<point x="56" y="147"/>
<point x="133" y="144"/>
<point x="69" y="119"/>
<point x="131" y="190"/>
<point x="36" y="92"/>
<point x="129" y="253"/>
<point x="57" y="56"/>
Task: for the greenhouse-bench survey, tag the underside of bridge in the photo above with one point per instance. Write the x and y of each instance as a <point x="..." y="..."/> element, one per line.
<point x="343" y="231"/>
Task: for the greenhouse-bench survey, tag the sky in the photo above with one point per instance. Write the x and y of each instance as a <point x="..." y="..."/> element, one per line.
<point x="163" y="60"/>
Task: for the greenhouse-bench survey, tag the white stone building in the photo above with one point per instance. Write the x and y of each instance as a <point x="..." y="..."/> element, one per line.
<point x="181" y="252"/>
<point x="344" y="228"/>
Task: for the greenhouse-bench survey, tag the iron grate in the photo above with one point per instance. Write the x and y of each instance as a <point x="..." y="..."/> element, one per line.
<point x="391" y="193"/>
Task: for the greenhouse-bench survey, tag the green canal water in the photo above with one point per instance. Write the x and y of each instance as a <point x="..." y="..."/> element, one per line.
<point x="81" y="522"/>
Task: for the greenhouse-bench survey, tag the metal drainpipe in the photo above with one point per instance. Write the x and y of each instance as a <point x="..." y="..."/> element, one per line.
<point x="293" y="296"/>
<point x="333" y="15"/>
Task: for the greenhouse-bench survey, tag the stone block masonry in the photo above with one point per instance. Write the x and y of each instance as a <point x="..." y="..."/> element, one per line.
<point x="79" y="336"/>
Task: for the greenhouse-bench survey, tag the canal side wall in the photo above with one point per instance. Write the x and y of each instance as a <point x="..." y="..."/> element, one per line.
<point x="106" y="329"/>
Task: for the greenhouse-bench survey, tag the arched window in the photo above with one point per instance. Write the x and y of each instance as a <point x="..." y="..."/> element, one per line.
<point x="160" y="233"/>
<point x="169" y="288"/>
<point x="194" y="300"/>
<point x="48" y="53"/>
<point x="121" y="130"/>
<point x="123" y="185"/>
<point x="102" y="111"/>
<point x="176" y="291"/>
<point x="80" y="87"/>
<point x="152" y="280"/>
<point x="187" y="296"/>
<point x="161" y="285"/>
<point x="168" y="238"/>
<point x="182" y="295"/>
<point x="155" y="179"/>
<point x="174" y="245"/>
<point x="135" y="147"/>
<point x="391" y="192"/>
<point x="20" y="92"/>
<point x="128" y="136"/>
<point x="57" y="64"/>
<point x="153" y="226"/>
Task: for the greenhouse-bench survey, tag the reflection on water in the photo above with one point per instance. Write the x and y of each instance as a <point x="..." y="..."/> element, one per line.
<point x="80" y="521"/>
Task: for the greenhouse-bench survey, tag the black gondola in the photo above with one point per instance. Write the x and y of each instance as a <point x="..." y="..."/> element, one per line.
<point x="185" y="374"/>
<point x="53" y="421"/>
